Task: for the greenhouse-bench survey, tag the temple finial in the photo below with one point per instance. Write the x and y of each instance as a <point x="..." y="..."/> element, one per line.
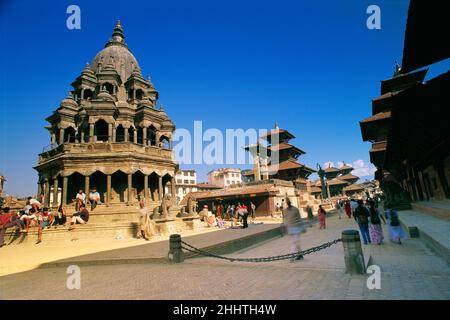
<point x="276" y="126"/>
<point x="118" y="32"/>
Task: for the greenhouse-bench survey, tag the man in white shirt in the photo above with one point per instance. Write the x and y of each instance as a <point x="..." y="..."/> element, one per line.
<point x="80" y="199"/>
<point x="94" y="198"/>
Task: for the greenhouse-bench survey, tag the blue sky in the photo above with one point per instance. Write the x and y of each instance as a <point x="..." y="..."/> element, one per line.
<point x="312" y="66"/>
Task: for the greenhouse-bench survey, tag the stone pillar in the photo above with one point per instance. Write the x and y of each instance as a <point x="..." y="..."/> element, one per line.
<point x="47" y="193"/>
<point x="82" y="136"/>
<point x="110" y="138"/>
<point x="108" y="189"/>
<point x="144" y="136"/>
<point x="38" y="192"/>
<point x="353" y="254"/>
<point x="135" y="135"/>
<point x="172" y="185"/>
<point x="146" y="189"/>
<point x="134" y="94"/>
<point x="114" y="138"/>
<point x="61" y="136"/>
<point x="170" y="144"/>
<point x="160" y="188"/>
<point x="328" y="191"/>
<point x="64" y="191"/>
<point x="256" y="168"/>
<point x="130" y="176"/>
<point x="82" y="93"/>
<point x="91" y="132"/>
<point x="86" y="184"/>
<point x="127" y="133"/>
<point x="53" y="139"/>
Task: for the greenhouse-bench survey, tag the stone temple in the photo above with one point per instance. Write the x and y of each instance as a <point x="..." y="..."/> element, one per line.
<point x="108" y="133"/>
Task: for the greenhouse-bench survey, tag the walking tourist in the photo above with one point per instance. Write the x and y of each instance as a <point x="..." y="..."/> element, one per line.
<point x="361" y="215"/>
<point x="80" y="199"/>
<point x="7" y="220"/>
<point x="293" y="226"/>
<point x="81" y="217"/>
<point x="396" y="231"/>
<point x="338" y="209"/>
<point x="348" y="209"/>
<point x="309" y="212"/>
<point x="376" y="232"/>
<point x="244" y="215"/>
<point x="252" y="211"/>
<point x="321" y="215"/>
<point x="94" y="198"/>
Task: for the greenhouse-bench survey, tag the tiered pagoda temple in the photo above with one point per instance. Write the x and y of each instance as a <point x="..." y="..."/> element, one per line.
<point x="283" y="157"/>
<point x="339" y="182"/>
<point x="109" y="134"/>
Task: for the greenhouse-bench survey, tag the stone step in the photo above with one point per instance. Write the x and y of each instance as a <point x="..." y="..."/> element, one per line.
<point x="438" y="209"/>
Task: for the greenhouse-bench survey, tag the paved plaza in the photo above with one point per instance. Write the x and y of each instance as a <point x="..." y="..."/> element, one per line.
<point x="408" y="271"/>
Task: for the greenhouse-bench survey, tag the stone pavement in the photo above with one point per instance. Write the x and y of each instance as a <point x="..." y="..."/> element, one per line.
<point x="409" y="271"/>
<point x="28" y="256"/>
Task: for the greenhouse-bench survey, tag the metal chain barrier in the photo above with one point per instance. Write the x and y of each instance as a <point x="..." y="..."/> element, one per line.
<point x="193" y="249"/>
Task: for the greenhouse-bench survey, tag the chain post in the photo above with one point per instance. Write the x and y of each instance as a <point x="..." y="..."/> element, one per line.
<point x="353" y="254"/>
<point x="175" y="251"/>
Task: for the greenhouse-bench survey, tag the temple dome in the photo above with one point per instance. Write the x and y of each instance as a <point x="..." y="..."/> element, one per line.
<point x="117" y="53"/>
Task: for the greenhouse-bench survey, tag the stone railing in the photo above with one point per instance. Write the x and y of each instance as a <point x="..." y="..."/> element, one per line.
<point x="105" y="147"/>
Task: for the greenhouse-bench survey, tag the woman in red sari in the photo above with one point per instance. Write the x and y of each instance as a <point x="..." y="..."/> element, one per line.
<point x="348" y="209"/>
<point x="321" y="214"/>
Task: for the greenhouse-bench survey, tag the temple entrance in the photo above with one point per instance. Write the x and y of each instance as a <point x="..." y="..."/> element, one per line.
<point x="75" y="182"/>
<point x="153" y="181"/>
<point x="98" y="180"/>
<point x="137" y="185"/>
<point x="119" y="185"/>
<point x="166" y="183"/>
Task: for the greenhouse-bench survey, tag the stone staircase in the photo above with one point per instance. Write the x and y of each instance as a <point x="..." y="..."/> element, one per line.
<point x="437" y="208"/>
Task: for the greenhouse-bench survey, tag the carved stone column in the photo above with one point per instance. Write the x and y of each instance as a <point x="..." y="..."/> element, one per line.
<point x="64" y="191"/>
<point x="146" y="188"/>
<point x="108" y="189"/>
<point x="129" y="188"/>
<point x="61" y="136"/>
<point x="91" y="132"/>
<point x="160" y="188"/>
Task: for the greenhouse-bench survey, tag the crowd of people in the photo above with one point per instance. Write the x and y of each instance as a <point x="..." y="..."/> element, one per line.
<point x="36" y="214"/>
<point x="237" y="215"/>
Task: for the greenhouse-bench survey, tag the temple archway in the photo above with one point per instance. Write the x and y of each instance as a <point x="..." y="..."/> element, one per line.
<point x="120" y="133"/>
<point x="119" y="185"/>
<point x="153" y="181"/>
<point x="137" y="184"/>
<point x="164" y="142"/>
<point x="69" y="135"/>
<point x="101" y="130"/>
<point x="98" y="180"/>
<point x="75" y="182"/>
<point x="151" y="134"/>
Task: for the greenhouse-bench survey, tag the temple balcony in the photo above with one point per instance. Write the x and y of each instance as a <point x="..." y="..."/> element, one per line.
<point x="104" y="148"/>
